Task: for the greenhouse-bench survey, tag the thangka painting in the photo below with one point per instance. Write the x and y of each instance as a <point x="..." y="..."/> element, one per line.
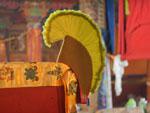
<point x="18" y="18"/>
<point x="17" y="44"/>
<point x="12" y="26"/>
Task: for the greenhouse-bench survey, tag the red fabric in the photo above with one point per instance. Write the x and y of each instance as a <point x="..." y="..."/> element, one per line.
<point x="135" y="44"/>
<point x="121" y="27"/>
<point x="32" y="100"/>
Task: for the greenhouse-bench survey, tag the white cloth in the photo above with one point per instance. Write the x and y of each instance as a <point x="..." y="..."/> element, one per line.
<point x="118" y="69"/>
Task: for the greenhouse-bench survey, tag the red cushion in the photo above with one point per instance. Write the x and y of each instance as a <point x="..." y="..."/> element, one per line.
<point x="32" y="100"/>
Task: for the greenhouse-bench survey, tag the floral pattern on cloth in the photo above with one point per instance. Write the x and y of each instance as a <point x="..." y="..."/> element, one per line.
<point x="72" y="88"/>
<point x="6" y="73"/>
<point x="55" y="72"/>
<point x="70" y="84"/>
<point x="23" y="74"/>
<point x="31" y="73"/>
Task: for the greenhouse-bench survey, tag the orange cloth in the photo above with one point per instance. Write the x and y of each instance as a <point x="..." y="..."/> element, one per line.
<point x="19" y="74"/>
<point x="70" y="84"/>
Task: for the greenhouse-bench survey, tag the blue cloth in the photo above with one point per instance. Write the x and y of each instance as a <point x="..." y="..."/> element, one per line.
<point x="102" y="104"/>
<point x="105" y="91"/>
<point x="110" y="14"/>
<point x="110" y="30"/>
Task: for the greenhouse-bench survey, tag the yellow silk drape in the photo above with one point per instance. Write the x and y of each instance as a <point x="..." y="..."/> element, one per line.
<point x="19" y="74"/>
